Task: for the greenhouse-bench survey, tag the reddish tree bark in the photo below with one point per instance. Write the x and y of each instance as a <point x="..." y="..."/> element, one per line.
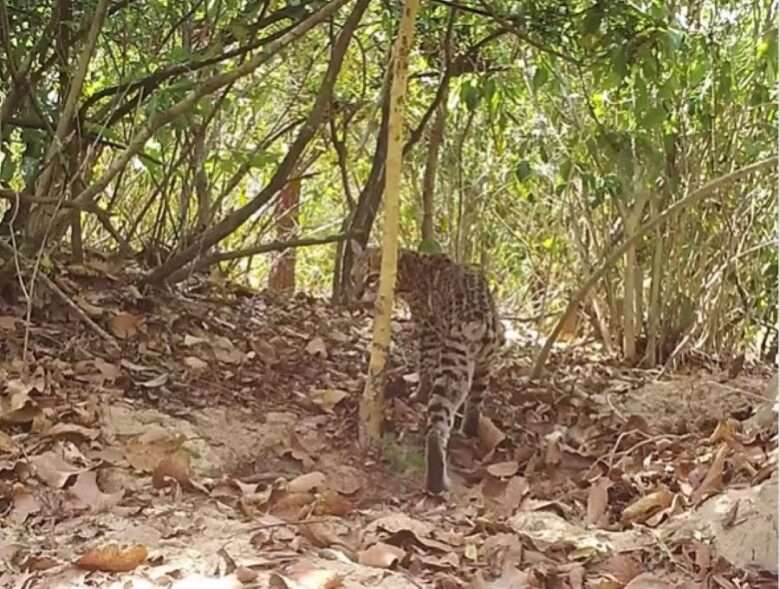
<point x="282" y="276"/>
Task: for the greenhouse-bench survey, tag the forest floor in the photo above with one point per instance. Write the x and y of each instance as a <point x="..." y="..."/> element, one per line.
<point x="216" y="447"/>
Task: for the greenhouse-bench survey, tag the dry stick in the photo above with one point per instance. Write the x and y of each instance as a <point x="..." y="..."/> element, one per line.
<point x="272" y="246"/>
<point x="64" y="297"/>
<point x="618" y="252"/>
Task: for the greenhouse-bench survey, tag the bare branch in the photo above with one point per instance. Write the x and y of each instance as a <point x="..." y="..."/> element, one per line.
<point x="273" y="246"/>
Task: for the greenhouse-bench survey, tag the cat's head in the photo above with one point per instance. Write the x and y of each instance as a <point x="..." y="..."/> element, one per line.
<point x="364" y="276"/>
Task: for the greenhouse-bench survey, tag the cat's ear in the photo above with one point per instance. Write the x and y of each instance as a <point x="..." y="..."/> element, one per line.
<point x="355" y="247"/>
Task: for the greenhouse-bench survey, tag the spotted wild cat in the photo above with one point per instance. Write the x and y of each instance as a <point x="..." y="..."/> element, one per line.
<point x="459" y="333"/>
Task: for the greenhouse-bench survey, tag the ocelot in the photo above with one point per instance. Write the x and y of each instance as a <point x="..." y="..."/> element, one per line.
<point x="459" y="334"/>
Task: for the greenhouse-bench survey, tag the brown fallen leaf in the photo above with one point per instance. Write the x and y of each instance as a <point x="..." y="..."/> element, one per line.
<point x="113" y="558"/>
<point x="109" y="372"/>
<point x="330" y="502"/>
<point x="40" y="563"/>
<point x="489" y="435"/>
<point x="92" y="310"/>
<point x="622" y="567"/>
<point x="447" y="581"/>
<point x="24" y="504"/>
<point x="7" y="444"/>
<point x="347" y="480"/>
<point x="317" y="347"/>
<point x="225" y="350"/>
<point x="381" y="555"/>
<point x="175" y="467"/>
<point x="327" y="399"/>
<point x="307" y="482"/>
<point x="511" y="578"/>
<point x="193" y="340"/>
<point x="503" y="469"/>
<point x="7" y="323"/>
<point x="321" y="535"/>
<point x="291" y="504"/>
<point x="85" y="494"/>
<point x="53" y="470"/>
<point x="125" y="325"/>
<point x="146" y="451"/>
<point x="515" y="490"/>
<point x="304" y="575"/>
<point x="246" y="575"/>
<point x="725" y="431"/>
<point x="713" y="480"/>
<point x="644" y="507"/>
<point x="552" y="451"/>
<point x="155" y="382"/>
<point x="18" y="407"/>
<point x="598" y="499"/>
<point x="195" y="363"/>
<point x="647" y="581"/>
<point x="71" y="431"/>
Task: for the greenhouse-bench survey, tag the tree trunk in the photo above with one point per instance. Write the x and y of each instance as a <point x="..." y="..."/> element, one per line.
<point x="359" y="222"/>
<point x="372" y="403"/>
<point x="429" y="176"/>
<point x="282" y="276"/>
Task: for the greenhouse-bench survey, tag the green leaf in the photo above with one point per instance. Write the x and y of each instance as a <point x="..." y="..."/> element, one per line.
<point x="619" y="61"/>
<point x="540" y="77"/>
<point x="179" y="54"/>
<point x="430" y="246"/>
<point x="489" y="89"/>
<point x="469" y="94"/>
<point x="7" y="168"/>
<point x="523" y="170"/>
<point x="263" y="159"/>
<point x="654" y="118"/>
<point x="668" y="88"/>
<point x="239" y="30"/>
<point x="592" y="20"/>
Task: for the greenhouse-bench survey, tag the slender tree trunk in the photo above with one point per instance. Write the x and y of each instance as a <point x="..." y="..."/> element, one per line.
<point x="372" y="403"/>
<point x="435" y="140"/>
<point x="431" y="166"/>
<point x="359" y="222"/>
<point x="282" y="276"/>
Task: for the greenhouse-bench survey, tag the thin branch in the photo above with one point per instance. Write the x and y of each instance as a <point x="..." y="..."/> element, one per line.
<point x="272" y="246"/>
<point x="146" y="85"/>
